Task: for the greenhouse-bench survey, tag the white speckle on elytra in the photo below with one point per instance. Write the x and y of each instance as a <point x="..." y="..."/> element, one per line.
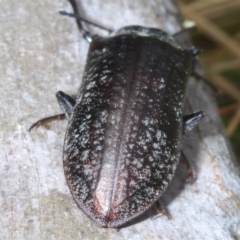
<point x="148" y="136"/>
<point x="77" y="166"/>
<point x="99" y="148"/>
<point x="145" y="121"/>
<point x="131" y="146"/>
<point x="84" y="155"/>
<point x="156" y="146"/>
<point x="90" y="85"/>
<point x="87" y="94"/>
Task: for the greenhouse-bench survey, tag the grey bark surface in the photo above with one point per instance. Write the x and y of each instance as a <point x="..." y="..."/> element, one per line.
<point x="42" y="52"/>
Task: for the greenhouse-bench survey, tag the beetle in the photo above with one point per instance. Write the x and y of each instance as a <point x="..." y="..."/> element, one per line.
<point x="125" y="127"/>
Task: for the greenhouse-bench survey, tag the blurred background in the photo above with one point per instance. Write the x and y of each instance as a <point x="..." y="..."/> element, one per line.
<point x="218" y="35"/>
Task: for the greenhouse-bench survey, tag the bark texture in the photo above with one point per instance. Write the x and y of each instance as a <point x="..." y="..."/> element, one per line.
<point x="42" y="52"/>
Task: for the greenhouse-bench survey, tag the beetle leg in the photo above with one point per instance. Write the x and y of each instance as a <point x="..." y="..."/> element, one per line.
<point x="46" y="120"/>
<point x="191" y="174"/>
<point x="191" y="120"/>
<point x="66" y="103"/>
<point x="161" y="211"/>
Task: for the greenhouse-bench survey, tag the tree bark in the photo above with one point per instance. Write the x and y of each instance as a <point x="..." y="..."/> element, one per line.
<point x="42" y="52"/>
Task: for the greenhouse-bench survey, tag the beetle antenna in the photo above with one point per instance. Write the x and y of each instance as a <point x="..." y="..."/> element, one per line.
<point x="215" y="90"/>
<point x="194" y="52"/>
<point x="85" y="20"/>
<point x="86" y="35"/>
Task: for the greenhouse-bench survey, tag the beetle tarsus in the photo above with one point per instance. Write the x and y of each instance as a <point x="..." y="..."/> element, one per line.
<point x="46" y="120"/>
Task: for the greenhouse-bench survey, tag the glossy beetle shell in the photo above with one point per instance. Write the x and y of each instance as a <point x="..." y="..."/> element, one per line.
<point x="123" y="141"/>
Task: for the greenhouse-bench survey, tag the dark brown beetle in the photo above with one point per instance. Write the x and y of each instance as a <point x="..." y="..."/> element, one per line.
<point x="124" y="134"/>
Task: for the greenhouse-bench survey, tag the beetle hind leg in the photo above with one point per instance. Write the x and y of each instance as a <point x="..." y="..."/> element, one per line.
<point x="189" y="122"/>
<point x="161" y="211"/>
<point x="191" y="174"/>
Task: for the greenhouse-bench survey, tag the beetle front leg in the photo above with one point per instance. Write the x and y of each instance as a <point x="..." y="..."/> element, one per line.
<point x="67" y="104"/>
